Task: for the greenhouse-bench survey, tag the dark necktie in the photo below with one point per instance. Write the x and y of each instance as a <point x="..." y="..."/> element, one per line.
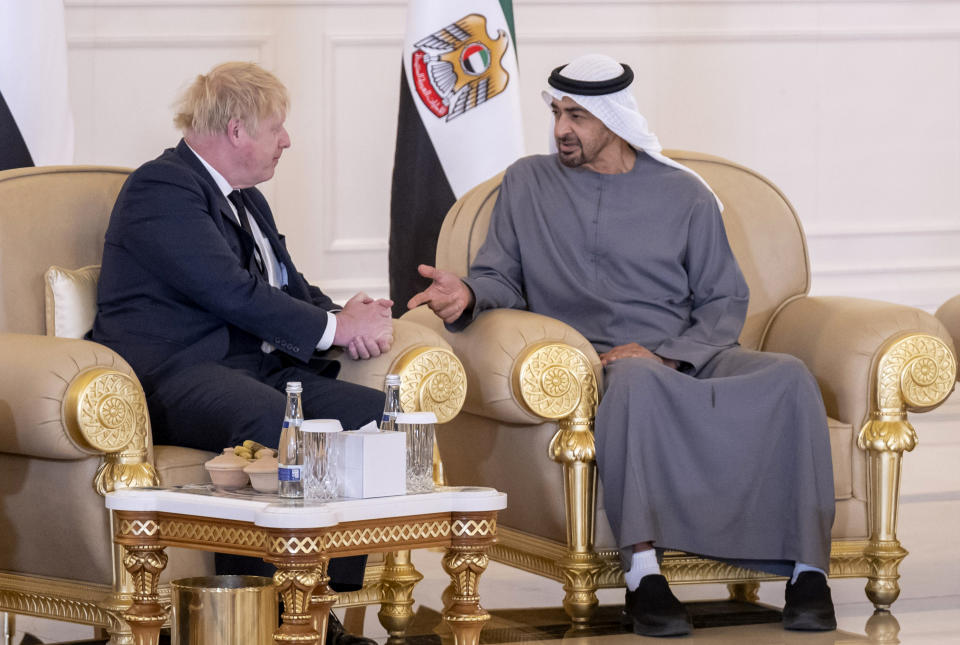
<point x="244" y="218"/>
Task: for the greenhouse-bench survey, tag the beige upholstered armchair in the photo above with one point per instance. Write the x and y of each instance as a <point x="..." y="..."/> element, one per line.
<point x="74" y="423"/>
<point x="535" y="382"/>
<point x="949" y="315"/>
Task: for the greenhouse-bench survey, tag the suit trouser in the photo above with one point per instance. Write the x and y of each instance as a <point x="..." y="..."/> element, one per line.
<point x="211" y="406"/>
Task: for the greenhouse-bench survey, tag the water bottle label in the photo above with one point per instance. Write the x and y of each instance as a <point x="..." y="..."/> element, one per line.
<point x="289" y="473"/>
<point x="295" y="422"/>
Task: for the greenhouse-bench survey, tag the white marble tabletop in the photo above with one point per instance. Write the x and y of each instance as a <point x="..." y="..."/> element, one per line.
<point x="271" y="511"/>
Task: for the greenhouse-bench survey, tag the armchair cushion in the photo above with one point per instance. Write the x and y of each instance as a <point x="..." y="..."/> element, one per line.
<point x="177" y="465"/>
<point x="70" y="300"/>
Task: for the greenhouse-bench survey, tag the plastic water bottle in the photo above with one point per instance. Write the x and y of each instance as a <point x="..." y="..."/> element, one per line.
<point x="290" y="468"/>
<point x="391" y="406"/>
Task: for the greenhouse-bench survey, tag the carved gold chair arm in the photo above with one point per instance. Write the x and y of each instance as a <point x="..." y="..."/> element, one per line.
<point x="841" y="339"/>
<point x="432" y="378"/>
<point x="914" y="372"/>
<point x="107" y="411"/>
<point x="492" y="348"/>
<point x="74" y="399"/>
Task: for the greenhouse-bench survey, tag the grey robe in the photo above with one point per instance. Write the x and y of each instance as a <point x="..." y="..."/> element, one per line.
<point x="728" y="457"/>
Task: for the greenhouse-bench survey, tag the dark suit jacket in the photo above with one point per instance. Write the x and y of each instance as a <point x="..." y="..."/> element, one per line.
<point x="178" y="284"/>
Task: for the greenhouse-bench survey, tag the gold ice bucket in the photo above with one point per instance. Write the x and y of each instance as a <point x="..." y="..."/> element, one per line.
<point x="216" y="610"/>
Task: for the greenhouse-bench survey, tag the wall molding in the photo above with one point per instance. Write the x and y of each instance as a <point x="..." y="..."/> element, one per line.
<point x="593" y="4"/>
<point x="552" y="38"/>
<point x="169" y="41"/>
<point x="900" y="268"/>
<point x="201" y="4"/>
<point x="889" y="231"/>
<point x="342" y="289"/>
<point x="358" y="244"/>
<point x="356" y="284"/>
<point x="701" y="36"/>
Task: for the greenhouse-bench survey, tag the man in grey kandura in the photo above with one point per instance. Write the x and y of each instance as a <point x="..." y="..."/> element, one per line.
<point x="702" y="446"/>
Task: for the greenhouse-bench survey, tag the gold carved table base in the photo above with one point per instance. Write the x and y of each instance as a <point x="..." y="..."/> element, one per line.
<point x="301" y="557"/>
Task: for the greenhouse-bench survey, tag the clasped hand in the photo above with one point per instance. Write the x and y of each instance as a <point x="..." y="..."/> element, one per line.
<point x="364" y="327"/>
<point x="447" y="296"/>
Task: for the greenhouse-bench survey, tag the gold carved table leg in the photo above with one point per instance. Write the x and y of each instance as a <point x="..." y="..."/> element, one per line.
<point x="464" y="561"/>
<point x="144" y="559"/>
<point x="301" y="569"/>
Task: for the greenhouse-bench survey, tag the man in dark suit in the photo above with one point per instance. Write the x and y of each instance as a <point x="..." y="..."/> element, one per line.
<point x="198" y="292"/>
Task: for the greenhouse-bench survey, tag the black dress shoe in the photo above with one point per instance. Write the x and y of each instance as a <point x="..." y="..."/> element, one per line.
<point x="809" y="606"/>
<point x="338" y="635"/>
<point x="653" y="610"/>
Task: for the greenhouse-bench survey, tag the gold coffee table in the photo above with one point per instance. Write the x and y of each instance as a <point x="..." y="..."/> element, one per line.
<point x="300" y="538"/>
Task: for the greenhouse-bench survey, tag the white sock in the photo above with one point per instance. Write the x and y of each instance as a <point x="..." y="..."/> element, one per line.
<point x="643" y="563"/>
<point x="800" y="567"/>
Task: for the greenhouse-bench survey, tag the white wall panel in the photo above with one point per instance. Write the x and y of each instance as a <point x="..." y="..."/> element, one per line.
<point x="361" y="91"/>
<point x="121" y="119"/>
<point x="852" y="108"/>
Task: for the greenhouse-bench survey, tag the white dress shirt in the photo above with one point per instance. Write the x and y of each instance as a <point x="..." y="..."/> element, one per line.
<point x="275" y="272"/>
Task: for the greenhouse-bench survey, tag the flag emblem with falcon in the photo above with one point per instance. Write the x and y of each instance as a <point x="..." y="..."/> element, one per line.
<point x="459" y="67"/>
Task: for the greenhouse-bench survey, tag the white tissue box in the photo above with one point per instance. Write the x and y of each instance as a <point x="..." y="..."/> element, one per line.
<point x="374" y="462"/>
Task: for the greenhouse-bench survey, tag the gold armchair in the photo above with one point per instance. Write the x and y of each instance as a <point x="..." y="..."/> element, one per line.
<point x="74" y="422"/>
<point x="534" y="386"/>
<point x="949" y="315"/>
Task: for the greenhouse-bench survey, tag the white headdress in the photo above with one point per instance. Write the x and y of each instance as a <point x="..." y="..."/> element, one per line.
<point x="601" y="86"/>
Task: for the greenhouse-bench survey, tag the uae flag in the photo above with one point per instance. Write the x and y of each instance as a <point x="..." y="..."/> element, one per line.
<point x="36" y="127"/>
<point x="458" y="123"/>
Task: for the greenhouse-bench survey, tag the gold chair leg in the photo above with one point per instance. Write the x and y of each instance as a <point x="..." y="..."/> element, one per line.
<point x="118" y="631"/>
<point x="580" y="566"/>
<point x="120" y="600"/>
<point x="353" y="619"/>
<point x="396" y="593"/>
<point x="6" y="628"/>
<point x="744" y="591"/>
<point x="552" y="377"/>
<point x="916" y="371"/>
<point x="884" y="552"/>
<point x="882" y="628"/>
<point x="573" y="447"/>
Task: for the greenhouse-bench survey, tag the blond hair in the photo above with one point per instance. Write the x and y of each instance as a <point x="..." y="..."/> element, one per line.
<point x="230" y="90"/>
